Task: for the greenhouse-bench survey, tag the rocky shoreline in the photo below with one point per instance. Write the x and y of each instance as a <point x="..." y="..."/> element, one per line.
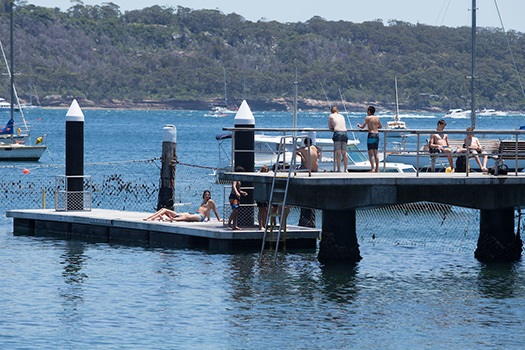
<point x="278" y="104"/>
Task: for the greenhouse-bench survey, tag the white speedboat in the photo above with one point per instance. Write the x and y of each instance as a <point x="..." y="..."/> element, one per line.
<point x="457" y="113"/>
<point x="490" y="112"/>
<point x="4" y="105"/>
<point x="220" y="111"/>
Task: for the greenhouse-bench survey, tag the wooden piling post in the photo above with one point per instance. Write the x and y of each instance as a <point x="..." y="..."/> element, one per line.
<point x="167" y="172"/>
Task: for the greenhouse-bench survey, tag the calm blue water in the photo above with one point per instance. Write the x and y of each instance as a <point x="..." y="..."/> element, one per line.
<point x="59" y="294"/>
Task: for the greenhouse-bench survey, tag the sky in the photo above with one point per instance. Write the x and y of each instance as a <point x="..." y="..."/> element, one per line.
<point x="451" y="13"/>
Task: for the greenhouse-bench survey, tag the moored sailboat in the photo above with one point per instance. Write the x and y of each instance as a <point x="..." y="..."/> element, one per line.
<point x="396" y="125"/>
<point x="13" y="146"/>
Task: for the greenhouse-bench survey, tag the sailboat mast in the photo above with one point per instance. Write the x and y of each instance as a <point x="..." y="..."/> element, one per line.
<point x="473" y="72"/>
<point x="11" y="58"/>
<point x="397" y="102"/>
<point x="225" y="90"/>
<point x="294" y="120"/>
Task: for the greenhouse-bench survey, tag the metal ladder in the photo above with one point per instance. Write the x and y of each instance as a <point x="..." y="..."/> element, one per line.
<point x="277" y="200"/>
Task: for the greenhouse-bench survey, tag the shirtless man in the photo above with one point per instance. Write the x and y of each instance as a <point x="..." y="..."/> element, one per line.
<point x="471" y="143"/>
<point x="373" y="124"/>
<point x="202" y="214"/>
<point x="336" y="123"/>
<point x="309" y="155"/>
<point x="439" y="143"/>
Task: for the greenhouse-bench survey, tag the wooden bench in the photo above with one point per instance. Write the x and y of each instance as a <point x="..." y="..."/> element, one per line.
<point x="491" y="147"/>
<point x="511" y="150"/>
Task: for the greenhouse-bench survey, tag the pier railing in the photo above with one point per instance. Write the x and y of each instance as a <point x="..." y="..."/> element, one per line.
<point x="67" y="200"/>
<point x="502" y="146"/>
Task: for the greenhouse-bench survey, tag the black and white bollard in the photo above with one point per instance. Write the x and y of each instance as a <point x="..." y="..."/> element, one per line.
<point x="244" y="156"/>
<point x="74" y="157"/>
<point x="167" y="172"/>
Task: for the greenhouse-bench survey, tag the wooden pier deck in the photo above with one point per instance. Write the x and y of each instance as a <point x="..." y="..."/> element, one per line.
<point x="128" y="227"/>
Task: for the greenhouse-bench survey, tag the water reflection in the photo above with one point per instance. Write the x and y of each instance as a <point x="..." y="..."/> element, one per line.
<point x="339" y="281"/>
<point x="501" y="281"/>
<point x="72" y="293"/>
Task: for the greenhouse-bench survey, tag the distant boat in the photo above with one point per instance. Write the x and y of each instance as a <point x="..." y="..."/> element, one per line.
<point x="6" y="106"/>
<point x="396" y="124"/>
<point x="222" y="111"/>
<point x="457" y="113"/>
<point x="490" y="112"/>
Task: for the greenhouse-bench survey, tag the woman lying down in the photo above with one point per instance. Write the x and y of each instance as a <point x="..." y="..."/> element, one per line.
<point x="202" y="214"/>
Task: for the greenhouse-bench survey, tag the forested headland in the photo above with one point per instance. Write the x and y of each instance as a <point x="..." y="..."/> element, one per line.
<point x="175" y="57"/>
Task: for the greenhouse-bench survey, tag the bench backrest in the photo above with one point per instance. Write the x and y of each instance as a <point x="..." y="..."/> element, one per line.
<point x="509" y="149"/>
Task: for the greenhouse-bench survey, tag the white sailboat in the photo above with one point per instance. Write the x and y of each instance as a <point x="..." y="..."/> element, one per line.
<point x="396" y="125"/>
<point x="222" y="111"/>
<point x="14" y="145"/>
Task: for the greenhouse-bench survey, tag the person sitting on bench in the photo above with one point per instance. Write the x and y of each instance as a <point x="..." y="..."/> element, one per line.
<point x="439" y="143"/>
<point x="471" y="143"/>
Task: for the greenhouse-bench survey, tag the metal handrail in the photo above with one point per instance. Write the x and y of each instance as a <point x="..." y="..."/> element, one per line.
<point x="514" y="135"/>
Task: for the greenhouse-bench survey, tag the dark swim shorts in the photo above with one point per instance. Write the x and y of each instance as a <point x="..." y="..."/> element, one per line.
<point x="340" y="136"/>
<point x="340" y="139"/>
<point x="373" y="140"/>
<point x="234" y="201"/>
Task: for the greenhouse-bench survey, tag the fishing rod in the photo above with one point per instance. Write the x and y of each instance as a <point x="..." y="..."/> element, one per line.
<point x="346" y="112"/>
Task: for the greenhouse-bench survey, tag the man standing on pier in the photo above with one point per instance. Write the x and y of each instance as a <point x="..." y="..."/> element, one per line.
<point x="336" y="123"/>
<point x="373" y="124"/>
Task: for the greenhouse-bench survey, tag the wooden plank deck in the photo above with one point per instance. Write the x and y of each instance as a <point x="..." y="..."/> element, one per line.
<point x="116" y="226"/>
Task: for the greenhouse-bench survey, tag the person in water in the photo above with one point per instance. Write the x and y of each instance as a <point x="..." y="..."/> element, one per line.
<point x="202" y="214"/>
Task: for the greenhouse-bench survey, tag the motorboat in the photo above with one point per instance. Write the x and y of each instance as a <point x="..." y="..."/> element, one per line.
<point x="220" y="111"/>
<point x="4" y="105"/>
<point x="457" y="113"/>
<point x="490" y="112"/>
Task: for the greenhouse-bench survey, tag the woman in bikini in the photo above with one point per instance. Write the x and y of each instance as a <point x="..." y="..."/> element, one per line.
<point x="202" y="214"/>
